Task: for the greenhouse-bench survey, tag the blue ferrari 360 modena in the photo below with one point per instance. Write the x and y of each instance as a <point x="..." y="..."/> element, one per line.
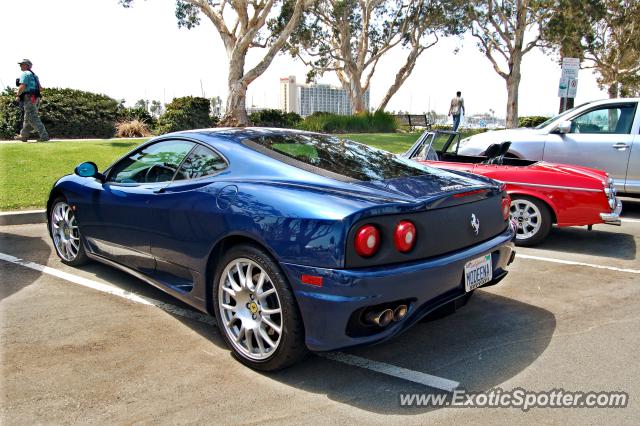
<point x="294" y="241"/>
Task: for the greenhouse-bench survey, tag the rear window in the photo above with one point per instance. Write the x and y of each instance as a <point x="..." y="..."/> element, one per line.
<point x="340" y="156"/>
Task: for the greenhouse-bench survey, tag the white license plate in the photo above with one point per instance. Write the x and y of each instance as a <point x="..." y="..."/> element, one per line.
<point x="477" y="272"/>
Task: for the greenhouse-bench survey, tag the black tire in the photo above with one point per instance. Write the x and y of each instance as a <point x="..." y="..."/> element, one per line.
<point x="528" y="239"/>
<point x="80" y="258"/>
<point x="291" y="347"/>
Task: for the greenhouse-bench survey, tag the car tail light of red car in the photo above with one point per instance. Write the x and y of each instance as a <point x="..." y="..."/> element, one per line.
<point x="506" y="206"/>
<point x="404" y="236"/>
<point x="367" y="240"/>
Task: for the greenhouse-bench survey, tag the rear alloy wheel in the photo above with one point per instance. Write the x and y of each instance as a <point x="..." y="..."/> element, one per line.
<point x="66" y="234"/>
<point x="256" y="310"/>
<point x="532" y="218"/>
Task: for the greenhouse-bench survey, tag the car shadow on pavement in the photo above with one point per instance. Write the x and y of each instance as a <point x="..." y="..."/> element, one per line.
<point x="579" y="240"/>
<point x="482" y="345"/>
<point x="15" y="278"/>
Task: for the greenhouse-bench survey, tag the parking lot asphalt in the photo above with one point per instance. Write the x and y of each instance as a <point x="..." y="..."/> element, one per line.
<point x="94" y="345"/>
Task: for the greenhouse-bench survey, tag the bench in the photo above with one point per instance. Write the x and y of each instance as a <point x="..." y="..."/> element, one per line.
<point x="413" y="120"/>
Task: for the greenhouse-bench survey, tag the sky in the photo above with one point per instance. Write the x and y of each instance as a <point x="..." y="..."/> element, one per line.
<point x="139" y="52"/>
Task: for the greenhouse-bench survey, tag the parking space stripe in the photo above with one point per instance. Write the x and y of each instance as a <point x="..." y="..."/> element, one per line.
<point x="624" y="219"/>
<point x="395" y="371"/>
<point x="570" y="262"/>
<point x="109" y="289"/>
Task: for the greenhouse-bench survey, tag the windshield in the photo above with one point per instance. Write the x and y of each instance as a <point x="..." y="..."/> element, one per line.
<point x="552" y="119"/>
<point x="341" y="156"/>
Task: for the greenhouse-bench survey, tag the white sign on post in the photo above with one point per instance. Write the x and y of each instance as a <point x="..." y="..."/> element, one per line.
<point x="569" y="80"/>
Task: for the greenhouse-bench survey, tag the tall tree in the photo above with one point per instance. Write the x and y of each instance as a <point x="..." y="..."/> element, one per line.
<point x="349" y="37"/>
<point x="612" y="48"/>
<point x="501" y="26"/>
<point x="605" y="35"/>
<point x="242" y="26"/>
<point x="570" y="20"/>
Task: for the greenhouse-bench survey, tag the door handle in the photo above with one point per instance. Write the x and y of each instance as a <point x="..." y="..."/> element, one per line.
<point x="620" y="146"/>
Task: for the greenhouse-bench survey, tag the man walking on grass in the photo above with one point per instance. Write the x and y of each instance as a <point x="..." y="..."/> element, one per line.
<point x="456" y="108"/>
<point x="29" y="97"/>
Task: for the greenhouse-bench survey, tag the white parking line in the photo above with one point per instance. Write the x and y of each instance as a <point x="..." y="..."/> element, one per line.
<point x="380" y="367"/>
<point x="109" y="289"/>
<point x="570" y="262"/>
<point x="392" y="370"/>
<point x="624" y="219"/>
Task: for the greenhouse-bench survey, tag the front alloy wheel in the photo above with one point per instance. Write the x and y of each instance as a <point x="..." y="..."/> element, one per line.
<point x="532" y="218"/>
<point x="256" y="310"/>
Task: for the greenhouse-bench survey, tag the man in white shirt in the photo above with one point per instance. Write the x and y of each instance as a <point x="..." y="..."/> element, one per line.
<point x="456" y="109"/>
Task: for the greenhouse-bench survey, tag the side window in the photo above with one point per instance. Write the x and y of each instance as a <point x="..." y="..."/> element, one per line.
<point x="201" y="162"/>
<point x="155" y="163"/>
<point x="612" y="120"/>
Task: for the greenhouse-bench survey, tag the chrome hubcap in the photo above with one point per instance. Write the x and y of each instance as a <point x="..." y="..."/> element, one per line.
<point x="528" y="218"/>
<point x="250" y="309"/>
<point x="65" y="232"/>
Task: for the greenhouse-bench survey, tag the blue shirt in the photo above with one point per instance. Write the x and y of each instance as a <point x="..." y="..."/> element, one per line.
<point x="28" y="79"/>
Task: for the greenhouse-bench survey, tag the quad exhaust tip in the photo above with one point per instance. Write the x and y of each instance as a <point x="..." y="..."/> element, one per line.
<point x="381" y="318"/>
<point x="384" y="317"/>
<point x="399" y="313"/>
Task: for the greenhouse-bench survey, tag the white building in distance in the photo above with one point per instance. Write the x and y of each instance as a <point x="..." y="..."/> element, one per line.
<point x="305" y="99"/>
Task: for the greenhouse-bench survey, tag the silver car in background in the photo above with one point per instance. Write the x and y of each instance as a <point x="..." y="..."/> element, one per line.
<point x="601" y="134"/>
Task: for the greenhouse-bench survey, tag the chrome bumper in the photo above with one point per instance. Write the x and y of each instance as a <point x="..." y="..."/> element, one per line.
<point x="613" y="218"/>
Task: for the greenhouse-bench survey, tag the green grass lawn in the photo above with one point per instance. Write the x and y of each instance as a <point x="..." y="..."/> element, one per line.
<point x="27" y="171"/>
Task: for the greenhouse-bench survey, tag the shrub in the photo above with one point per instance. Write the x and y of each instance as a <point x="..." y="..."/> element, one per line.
<point x="186" y="113"/>
<point x="531" y="121"/>
<point x="132" y="129"/>
<point x="366" y="122"/>
<point x="9" y="114"/>
<point x="66" y="113"/>
<point x="136" y="113"/>
<point x="275" y="118"/>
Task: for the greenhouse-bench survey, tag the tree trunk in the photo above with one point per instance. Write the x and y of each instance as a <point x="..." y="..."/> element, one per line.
<point x="513" y="85"/>
<point x="357" y="96"/>
<point x="236" y="112"/>
<point x="613" y="90"/>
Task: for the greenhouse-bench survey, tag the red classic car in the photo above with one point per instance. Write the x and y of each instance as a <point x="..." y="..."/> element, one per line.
<point x="541" y="193"/>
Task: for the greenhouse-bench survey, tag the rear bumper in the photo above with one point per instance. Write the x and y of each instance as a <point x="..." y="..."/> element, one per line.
<point x="329" y="311"/>
<point x="613" y="218"/>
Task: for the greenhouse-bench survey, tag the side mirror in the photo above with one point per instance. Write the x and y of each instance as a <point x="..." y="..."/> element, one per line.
<point x="563" y="128"/>
<point x="88" y="169"/>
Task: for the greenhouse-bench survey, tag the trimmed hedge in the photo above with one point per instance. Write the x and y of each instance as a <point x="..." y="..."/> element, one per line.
<point x="188" y="112"/>
<point x="275" y="118"/>
<point x="531" y="121"/>
<point x="66" y="113"/>
<point x="366" y="122"/>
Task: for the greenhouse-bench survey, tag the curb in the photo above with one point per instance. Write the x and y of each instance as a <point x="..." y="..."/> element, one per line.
<point x="23" y="217"/>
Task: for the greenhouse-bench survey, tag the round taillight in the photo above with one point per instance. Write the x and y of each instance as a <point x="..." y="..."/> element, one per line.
<point x="506" y="207"/>
<point x="405" y="236"/>
<point x="367" y="240"/>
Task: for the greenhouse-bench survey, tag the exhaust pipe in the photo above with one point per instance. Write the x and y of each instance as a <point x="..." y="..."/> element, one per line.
<point x="399" y="313"/>
<point x="380" y="318"/>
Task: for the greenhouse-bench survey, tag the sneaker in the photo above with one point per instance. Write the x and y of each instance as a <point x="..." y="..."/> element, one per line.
<point x="20" y="138"/>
